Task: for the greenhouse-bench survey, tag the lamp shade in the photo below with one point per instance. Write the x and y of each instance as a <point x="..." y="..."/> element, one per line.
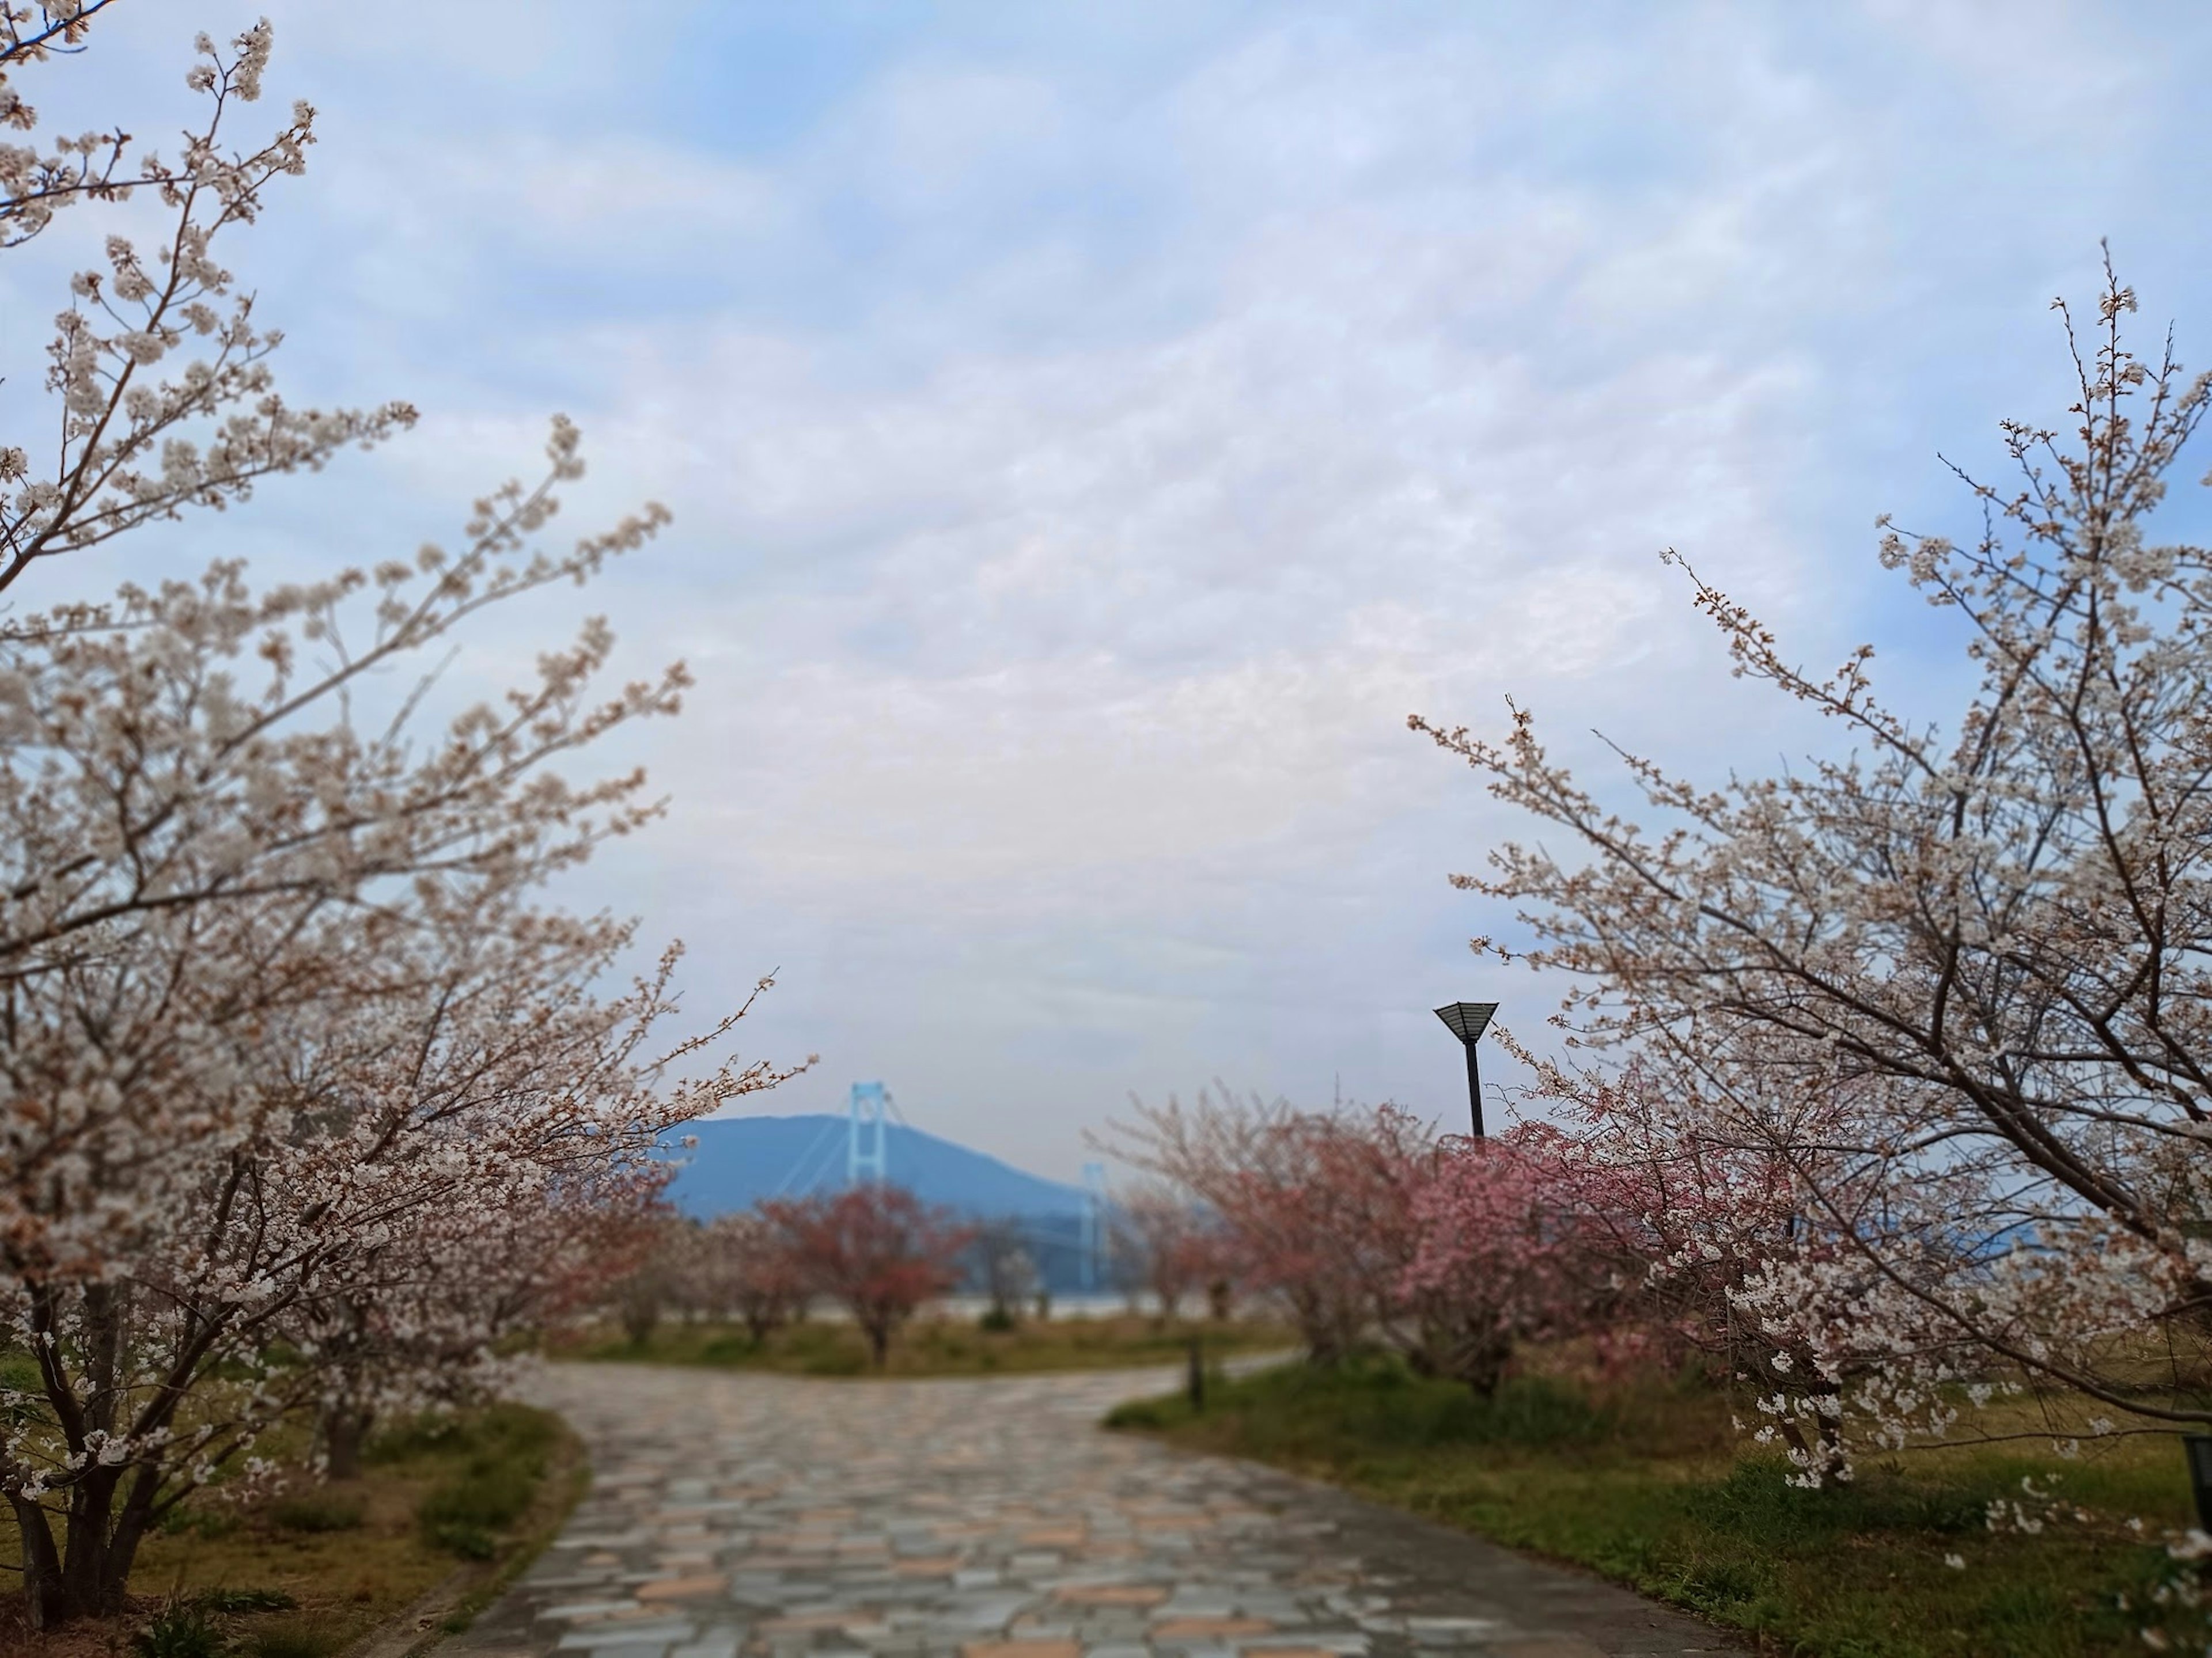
<point x="1467" y="1020"/>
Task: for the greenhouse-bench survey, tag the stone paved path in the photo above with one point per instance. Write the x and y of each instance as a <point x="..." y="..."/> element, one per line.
<point x="747" y="1517"/>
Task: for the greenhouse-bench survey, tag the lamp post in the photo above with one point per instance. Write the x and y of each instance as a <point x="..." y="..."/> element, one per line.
<point x="1467" y="1021"/>
<point x="2199" y="1448"/>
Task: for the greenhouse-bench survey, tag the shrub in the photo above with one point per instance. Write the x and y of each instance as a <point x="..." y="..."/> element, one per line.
<point x="317" y="1511"/>
<point x="210" y="1523"/>
<point x="180" y="1630"/>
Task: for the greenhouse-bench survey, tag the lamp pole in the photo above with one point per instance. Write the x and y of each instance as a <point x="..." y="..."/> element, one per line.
<point x="1467" y="1021"/>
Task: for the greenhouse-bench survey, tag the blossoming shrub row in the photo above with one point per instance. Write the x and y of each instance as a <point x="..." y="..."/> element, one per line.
<point x="876" y="1252"/>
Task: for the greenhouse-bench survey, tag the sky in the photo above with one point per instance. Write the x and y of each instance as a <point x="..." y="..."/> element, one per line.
<point x="1092" y="429"/>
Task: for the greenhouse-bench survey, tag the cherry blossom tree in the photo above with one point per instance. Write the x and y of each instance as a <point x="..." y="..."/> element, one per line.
<point x="304" y="1098"/>
<point x="1952" y="984"/>
<point x="753" y="1274"/>
<point x="251" y="1075"/>
<point x="1501" y="1256"/>
<point x="1250" y="1161"/>
<point x="135" y="443"/>
<point x="1370" y="1229"/>
<point x="879" y="1251"/>
<point x="1169" y="1245"/>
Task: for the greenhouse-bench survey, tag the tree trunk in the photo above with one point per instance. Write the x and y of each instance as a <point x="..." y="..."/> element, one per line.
<point x="88" y="1577"/>
<point x="42" y="1564"/>
<point x="345" y="1430"/>
<point x="879" y="1343"/>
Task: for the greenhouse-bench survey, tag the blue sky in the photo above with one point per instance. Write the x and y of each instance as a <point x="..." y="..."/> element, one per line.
<point x="1092" y="429"/>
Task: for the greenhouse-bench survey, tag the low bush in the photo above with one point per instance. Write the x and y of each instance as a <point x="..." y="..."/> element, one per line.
<point x="183" y="1629"/>
<point x="506" y="1450"/>
<point x="317" y="1511"/>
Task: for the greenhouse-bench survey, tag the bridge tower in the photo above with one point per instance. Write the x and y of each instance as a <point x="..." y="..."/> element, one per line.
<point x="1094" y="1213"/>
<point x="866" y="1151"/>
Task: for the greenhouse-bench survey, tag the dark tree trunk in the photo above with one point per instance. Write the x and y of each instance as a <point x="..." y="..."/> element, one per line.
<point x="345" y="1430"/>
<point x="89" y="1577"/>
<point x="42" y="1564"/>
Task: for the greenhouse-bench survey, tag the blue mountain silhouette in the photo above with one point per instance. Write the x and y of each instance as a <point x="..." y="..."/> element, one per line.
<point x="740" y="1160"/>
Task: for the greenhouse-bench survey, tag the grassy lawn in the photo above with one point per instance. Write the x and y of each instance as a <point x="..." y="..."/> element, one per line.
<point x="457" y="1504"/>
<point x="1649" y="1486"/>
<point x="930" y="1346"/>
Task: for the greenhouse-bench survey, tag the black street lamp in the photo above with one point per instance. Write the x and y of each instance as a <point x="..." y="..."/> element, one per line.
<point x="1467" y="1021"/>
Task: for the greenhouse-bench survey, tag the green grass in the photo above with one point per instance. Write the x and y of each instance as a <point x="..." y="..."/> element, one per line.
<point x="1648" y="1485"/>
<point x="308" y="1574"/>
<point x="317" y="1511"/>
<point x="930" y="1346"/>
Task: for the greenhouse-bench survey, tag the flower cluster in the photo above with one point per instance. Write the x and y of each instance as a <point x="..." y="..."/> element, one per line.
<point x="166" y="398"/>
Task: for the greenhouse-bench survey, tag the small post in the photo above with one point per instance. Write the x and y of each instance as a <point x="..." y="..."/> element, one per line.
<point x="2198" y="1449"/>
<point x="1197" y="1374"/>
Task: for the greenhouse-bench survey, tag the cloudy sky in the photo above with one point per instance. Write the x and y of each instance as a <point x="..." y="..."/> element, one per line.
<point x="1092" y="429"/>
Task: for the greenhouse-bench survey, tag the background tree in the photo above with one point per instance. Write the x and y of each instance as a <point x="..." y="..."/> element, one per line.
<point x="1171" y="1248"/>
<point x="877" y="1251"/>
<point x="1005" y="1268"/>
<point x="757" y="1277"/>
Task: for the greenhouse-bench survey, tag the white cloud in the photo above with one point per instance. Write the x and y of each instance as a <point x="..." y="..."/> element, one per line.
<point x="1083" y="461"/>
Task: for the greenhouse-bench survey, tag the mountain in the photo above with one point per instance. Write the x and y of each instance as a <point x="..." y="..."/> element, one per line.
<point x="740" y="1160"/>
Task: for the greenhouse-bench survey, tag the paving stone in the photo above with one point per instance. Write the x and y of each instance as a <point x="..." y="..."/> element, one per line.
<point x="1209" y="1628"/>
<point x="787" y="1518"/>
<point x="605" y="1637"/>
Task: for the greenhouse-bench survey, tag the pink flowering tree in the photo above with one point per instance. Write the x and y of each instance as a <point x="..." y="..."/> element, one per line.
<point x="1250" y="1163"/>
<point x="877" y="1251"/>
<point x="1165" y="1242"/>
<point x="1502" y="1255"/>
<point x="1951" y="983"/>
<point x="1368" y="1228"/>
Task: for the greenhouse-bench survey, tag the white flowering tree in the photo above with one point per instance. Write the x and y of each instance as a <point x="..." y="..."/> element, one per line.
<point x="480" y="1156"/>
<point x="1956" y="981"/>
<point x="166" y="398"/>
<point x="304" y="1098"/>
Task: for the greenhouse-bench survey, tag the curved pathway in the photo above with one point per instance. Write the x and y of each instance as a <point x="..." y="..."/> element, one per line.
<point x="752" y="1516"/>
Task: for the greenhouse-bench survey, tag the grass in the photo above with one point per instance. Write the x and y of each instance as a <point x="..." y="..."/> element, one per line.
<point x="1648" y="1485"/>
<point x="459" y="1503"/>
<point x="940" y="1347"/>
